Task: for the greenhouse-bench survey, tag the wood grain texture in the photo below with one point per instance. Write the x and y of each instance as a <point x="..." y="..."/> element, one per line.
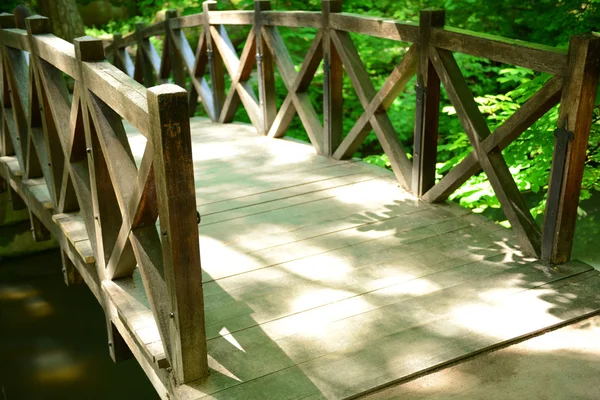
<point x="576" y="111"/>
<point x="174" y="177"/>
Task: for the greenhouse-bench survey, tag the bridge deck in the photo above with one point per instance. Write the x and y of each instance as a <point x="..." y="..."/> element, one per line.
<point x="324" y="279"/>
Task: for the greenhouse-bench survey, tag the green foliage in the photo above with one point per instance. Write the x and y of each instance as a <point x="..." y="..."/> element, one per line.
<point x="499" y="89"/>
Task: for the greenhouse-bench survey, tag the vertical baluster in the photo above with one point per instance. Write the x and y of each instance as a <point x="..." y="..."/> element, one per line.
<point x="333" y="102"/>
<point x="427" y="107"/>
<point x="215" y="63"/>
<point x="570" y="146"/>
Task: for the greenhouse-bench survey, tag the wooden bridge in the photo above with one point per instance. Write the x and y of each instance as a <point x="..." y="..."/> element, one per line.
<point x="322" y="276"/>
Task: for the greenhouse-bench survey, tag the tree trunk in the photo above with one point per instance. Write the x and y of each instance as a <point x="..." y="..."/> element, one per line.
<point x="64" y="16"/>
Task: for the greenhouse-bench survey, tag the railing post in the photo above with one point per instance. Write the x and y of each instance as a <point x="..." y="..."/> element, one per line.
<point x="427" y="107"/>
<point x="176" y="195"/>
<point x="333" y="102"/>
<point x="266" y="69"/>
<point x="570" y="146"/>
<point x="215" y="63"/>
<point x="177" y="67"/>
<point x="143" y="68"/>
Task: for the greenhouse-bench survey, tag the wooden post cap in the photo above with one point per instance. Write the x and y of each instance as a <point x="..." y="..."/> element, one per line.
<point x="7" y="21"/>
<point x="262" y="5"/>
<point x="38" y="25"/>
<point x="165" y="90"/>
<point x="89" y="48"/>
<point x="433" y="17"/>
<point x="171" y="13"/>
<point x="209" y="5"/>
<point x="331" y="6"/>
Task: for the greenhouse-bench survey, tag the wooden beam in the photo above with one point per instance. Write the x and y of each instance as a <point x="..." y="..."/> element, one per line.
<point x="533" y="109"/>
<point x="384" y="28"/>
<point x="380" y="122"/>
<point x="492" y="162"/>
<point x="506" y="51"/>
<point x="392" y="87"/>
<point x="176" y="194"/>
<point x="266" y="70"/>
<point x="333" y="100"/>
<point x="427" y="107"/>
<point x="568" y="163"/>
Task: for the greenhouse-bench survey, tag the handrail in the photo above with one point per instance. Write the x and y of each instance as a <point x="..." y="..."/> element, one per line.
<point x="72" y="145"/>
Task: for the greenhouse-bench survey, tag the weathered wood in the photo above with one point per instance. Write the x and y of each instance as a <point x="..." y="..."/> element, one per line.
<point x="155" y="29"/>
<point x="119" y="91"/>
<point x="177" y="64"/>
<point x="392" y="87"/>
<point x="293" y="19"/>
<point x="15" y="38"/>
<point x="380" y="122"/>
<point x="143" y="72"/>
<point x="16" y="201"/>
<point x="507" y="51"/>
<point x="266" y="70"/>
<point x="576" y="112"/>
<point x="297" y="84"/>
<point x="427" y="107"/>
<point x="57" y="52"/>
<point x="174" y="176"/>
<point x="7" y="21"/>
<point x="70" y="273"/>
<point x="533" y="109"/>
<point x="38" y="230"/>
<point x="374" y="26"/>
<point x="240" y="82"/>
<point x="492" y="162"/>
<point x="231" y="17"/>
<point x="244" y="89"/>
<point x="333" y="101"/>
<point x="215" y="60"/>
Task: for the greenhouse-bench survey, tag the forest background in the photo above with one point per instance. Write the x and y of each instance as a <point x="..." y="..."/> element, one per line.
<point x="499" y="89"/>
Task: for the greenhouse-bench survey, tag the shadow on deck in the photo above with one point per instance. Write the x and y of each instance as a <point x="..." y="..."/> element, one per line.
<point x="323" y="279"/>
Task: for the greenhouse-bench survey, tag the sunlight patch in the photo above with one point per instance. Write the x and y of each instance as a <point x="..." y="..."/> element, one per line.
<point x="229" y="337"/>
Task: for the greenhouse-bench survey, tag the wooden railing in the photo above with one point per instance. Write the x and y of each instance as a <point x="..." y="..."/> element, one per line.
<point x="66" y="156"/>
<point x="574" y="82"/>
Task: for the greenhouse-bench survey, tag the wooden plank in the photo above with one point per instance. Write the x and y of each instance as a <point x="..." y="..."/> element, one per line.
<point x="57" y="52"/>
<point x="174" y="177"/>
<point x="119" y="91"/>
<point x="507" y="51"/>
<point x="231" y="17"/>
<point x="492" y="162"/>
<point x="136" y="317"/>
<point x="377" y="27"/>
<point x="293" y="19"/>
<point x="435" y="344"/>
<point x="576" y="113"/>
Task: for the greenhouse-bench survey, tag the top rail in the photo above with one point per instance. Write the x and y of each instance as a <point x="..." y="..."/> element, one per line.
<point x="535" y="56"/>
